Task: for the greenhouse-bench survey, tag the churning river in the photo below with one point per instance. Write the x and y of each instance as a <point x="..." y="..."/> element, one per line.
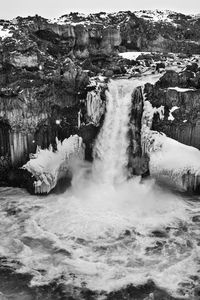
<point x="105" y="231"/>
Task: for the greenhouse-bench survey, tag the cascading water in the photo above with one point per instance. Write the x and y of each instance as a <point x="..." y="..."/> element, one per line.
<point x="100" y="236"/>
<point x="112" y="143"/>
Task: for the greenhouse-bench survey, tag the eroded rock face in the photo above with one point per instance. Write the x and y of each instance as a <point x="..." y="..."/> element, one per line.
<point x="20" y="61"/>
<point x="180" y="96"/>
<point x="40" y="103"/>
<point x="45" y="70"/>
<point x="138" y="161"/>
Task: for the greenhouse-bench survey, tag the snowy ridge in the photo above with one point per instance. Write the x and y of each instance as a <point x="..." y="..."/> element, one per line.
<point x="48" y="166"/>
<point x="156" y="15"/>
<point x="179" y="164"/>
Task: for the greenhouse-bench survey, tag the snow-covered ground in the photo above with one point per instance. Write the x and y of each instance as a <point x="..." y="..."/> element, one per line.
<point x="132" y="55"/>
<point x="156" y="15"/>
<point x="4" y="33"/>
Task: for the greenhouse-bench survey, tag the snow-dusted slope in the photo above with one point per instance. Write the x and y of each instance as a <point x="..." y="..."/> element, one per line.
<point x="156" y="15"/>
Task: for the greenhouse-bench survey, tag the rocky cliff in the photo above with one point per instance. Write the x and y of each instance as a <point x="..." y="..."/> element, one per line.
<point x="179" y="94"/>
<point x="53" y="77"/>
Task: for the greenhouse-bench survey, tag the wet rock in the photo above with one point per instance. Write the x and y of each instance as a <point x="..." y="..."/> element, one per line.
<point x="159" y="234"/>
<point x="196" y="219"/>
<point x="193" y="67"/>
<point x="197" y="292"/>
<point x="138" y="162"/>
<point x="184" y="125"/>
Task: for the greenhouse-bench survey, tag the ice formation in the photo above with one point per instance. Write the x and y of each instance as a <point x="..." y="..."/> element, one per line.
<point x="48" y="166"/>
<point x="170" y="160"/>
<point x="95" y="106"/>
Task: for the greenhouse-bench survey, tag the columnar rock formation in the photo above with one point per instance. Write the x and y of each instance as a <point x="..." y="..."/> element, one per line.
<point x="46" y="90"/>
<point x="179" y="94"/>
<point x="138" y="160"/>
<point x="170" y="161"/>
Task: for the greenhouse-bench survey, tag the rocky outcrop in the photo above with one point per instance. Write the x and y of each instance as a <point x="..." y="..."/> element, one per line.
<point x="170" y="162"/>
<point x="179" y="94"/>
<point x="38" y="105"/>
<point x="97" y="34"/>
<point x="45" y="77"/>
<point x="138" y="161"/>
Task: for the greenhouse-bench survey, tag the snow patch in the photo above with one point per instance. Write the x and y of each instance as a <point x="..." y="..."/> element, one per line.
<point x="4" y="33"/>
<point x="181" y="90"/>
<point x="132" y="55"/>
<point x="156" y="15"/>
<point x="171" y="118"/>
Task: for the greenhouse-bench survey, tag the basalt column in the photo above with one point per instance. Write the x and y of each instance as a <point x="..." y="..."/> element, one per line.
<point x="4" y="149"/>
<point x="138" y="163"/>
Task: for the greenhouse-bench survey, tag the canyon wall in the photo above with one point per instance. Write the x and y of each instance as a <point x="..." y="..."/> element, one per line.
<point x="53" y="77"/>
<point x="179" y="94"/>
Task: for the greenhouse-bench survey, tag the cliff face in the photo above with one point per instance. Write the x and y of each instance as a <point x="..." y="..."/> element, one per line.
<point x="41" y="98"/>
<point x="138" y="161"/>
<point x="46" y="89"/>
<point x="179" y="94"/>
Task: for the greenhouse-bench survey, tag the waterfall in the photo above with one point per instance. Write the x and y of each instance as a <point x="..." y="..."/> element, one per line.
<point x="110" y="150"/>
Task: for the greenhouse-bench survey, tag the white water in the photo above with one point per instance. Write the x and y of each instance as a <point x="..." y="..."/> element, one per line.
<point x="104" y="234"/>
<point x="112" y="142"/>
<point x="110" y="151"/>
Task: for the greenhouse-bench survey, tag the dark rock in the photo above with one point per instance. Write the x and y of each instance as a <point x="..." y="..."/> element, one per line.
<point x="159" y="234"/>
<point x="192" y="67"/>
<point x="196" y="219"/>
<point x="186" y="124"/>
<point x="138" y="163"/>
<point x="44" y="77"/>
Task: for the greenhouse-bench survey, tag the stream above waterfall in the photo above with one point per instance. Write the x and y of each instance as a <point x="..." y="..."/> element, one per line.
<point x="105" y="232"/>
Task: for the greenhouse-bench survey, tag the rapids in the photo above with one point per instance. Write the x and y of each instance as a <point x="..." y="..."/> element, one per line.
<point x="104" y="232"/>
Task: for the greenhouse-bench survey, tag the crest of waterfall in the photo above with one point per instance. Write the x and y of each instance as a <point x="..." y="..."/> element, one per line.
<point x="110" y="151"/>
